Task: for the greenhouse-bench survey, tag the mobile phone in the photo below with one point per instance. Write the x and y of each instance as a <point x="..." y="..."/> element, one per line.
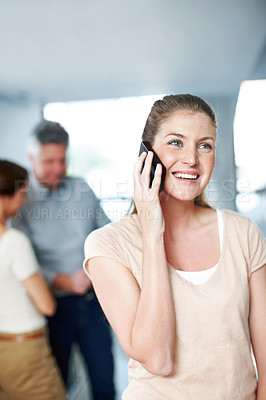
<point x="146" y="146"/>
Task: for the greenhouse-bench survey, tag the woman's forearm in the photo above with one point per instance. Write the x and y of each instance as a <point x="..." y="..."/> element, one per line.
<point x="261" y="393"/>
<point x="154" y="330"/>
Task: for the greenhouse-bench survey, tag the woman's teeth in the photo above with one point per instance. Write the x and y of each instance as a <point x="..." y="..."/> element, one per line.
<point x="185" y="176"/>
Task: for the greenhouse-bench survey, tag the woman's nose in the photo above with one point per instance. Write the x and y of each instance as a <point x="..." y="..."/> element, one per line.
<point x="190" y="157"/>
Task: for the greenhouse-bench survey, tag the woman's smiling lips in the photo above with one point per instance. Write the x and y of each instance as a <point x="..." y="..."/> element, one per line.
<point x="187" y="176"/>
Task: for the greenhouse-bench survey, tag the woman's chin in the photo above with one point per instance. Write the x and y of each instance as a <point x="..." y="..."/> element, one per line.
<point x="181" y="192"/>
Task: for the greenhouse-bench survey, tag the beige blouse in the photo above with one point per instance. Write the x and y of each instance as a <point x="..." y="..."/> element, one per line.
<point x="213" y="348"/>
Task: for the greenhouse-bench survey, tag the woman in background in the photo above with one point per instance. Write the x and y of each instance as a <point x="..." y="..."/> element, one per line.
<point x="183" y="285"/>
<point x="27" y="368"/>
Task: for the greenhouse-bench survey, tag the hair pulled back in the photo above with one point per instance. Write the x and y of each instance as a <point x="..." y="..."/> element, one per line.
<point x="163" y="109"/>
<point x="12" y="178"/>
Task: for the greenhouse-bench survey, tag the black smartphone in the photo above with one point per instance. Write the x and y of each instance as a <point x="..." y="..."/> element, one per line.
<point x="146" y="146"/>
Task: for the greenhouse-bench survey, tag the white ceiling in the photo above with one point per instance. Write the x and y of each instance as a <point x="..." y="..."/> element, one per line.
<point x="54" y="50"/>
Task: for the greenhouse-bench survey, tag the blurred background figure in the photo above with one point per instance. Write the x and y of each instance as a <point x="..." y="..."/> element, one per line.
<point x="27" y="368"/>
<point x="60" y="213"/>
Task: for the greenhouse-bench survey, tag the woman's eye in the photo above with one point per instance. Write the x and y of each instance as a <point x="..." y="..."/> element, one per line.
<point x="176" y="143"/>
<point x="205" y="146"/>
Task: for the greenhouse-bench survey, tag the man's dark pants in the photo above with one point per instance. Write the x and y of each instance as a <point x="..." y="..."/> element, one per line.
<point x="80" y="319"/>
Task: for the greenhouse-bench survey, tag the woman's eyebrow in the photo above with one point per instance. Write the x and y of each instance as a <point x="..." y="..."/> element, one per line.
<point x="175" y="134"/>
<point x="207" y="138"/>
<point x="183" y="136"/>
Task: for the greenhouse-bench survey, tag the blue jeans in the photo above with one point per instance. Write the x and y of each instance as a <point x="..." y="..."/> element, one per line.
<point x="80" y="319"/>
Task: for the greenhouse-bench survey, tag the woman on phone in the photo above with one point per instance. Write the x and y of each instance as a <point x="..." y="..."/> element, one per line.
<point x="27" y="368"/>
<point x="182" y="284"/>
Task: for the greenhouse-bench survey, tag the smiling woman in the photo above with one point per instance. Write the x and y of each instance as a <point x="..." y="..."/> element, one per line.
<point x="189" y="155"/>
<point x="162" y="122"/>
<point x="179" y="329"/>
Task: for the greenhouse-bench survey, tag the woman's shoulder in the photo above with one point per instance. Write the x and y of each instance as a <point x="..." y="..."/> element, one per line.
<point x="235" y="217"/>
<point x="114" y="240"/>
<point x="15" y="236"/>
<point x="128" y="227"/>
<point x="240" y="222"/>
<point x="128" y="224"/>
<point x="16" y="243"/>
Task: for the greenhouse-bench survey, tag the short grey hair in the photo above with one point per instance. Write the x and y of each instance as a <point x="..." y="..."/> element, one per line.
<point x="47" y="132"/>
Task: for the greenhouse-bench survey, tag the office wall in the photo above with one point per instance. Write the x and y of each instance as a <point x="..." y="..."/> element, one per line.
<point x="16" y="121"/>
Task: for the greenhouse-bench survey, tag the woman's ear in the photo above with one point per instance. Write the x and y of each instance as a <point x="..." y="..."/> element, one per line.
<point x="3" y="197"/>
<point x="3" y="201"/>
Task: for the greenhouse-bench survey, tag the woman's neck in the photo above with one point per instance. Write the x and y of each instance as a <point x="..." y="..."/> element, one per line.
<point x="181" y="216"/>
<point x="178" y="211"/>
<point x="3" y="228"/>
<point x="2" y="219"/>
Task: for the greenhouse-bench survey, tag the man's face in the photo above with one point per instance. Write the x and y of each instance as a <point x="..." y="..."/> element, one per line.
<point x="49" y="165"/>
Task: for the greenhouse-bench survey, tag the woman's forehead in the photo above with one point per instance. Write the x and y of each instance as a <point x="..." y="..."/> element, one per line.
<point x="183" y="119"/>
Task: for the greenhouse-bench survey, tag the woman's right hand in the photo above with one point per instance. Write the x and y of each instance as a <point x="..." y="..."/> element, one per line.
<point x="146" y="198"/>
<point x="143" y="321"/>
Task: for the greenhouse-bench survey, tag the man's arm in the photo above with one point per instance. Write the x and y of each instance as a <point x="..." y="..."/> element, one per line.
<point x="76" y="283"/>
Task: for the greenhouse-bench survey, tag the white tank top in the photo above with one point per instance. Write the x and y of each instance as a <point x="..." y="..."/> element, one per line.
<point x="200" y="277"/>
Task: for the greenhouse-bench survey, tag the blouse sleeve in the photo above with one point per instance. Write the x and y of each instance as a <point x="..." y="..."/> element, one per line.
<point x="103" y="243"/>
<point x="257" y="248"/>
<point x="24" y="261"/>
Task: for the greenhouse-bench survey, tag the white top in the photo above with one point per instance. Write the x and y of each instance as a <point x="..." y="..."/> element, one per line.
<point x="17" y="263"/>
<point x="200" y="277"/>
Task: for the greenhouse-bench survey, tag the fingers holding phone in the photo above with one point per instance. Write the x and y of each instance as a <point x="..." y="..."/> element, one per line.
<point x="157" y="180"/>
<point x="143" y="184"/>
<point x="147" y="183"/>
<point x="145" y="147"/>
<point x="151" y="175"/>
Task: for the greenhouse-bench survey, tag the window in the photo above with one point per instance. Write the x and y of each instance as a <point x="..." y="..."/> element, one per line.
<point x="250" y="151"/>
<point x="105" y="137"/>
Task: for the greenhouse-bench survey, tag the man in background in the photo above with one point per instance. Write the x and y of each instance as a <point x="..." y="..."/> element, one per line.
<point x="59" y="215"/>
